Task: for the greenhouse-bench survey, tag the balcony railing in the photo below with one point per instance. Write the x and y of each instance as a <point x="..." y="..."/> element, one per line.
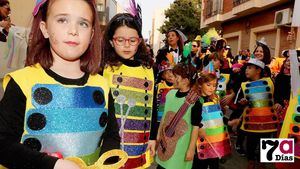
<point x="214" y="7"/>
<point x="239" y="2"/>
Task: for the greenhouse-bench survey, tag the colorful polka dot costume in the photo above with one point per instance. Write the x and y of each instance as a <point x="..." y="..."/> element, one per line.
<point x="67" y="120"/>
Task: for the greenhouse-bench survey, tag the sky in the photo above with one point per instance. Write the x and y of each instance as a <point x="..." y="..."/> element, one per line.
<point x="148" y="8"/>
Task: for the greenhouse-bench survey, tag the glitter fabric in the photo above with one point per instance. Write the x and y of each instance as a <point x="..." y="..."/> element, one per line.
<point x="216" y="143"/>
<point x="137" y="111"/>
<point x="222" y="82"/>
<point x="63" y="119"/>
<point x="66" y="97"/>
<point x="144" y="98"/>
<point x="215" y="122"/>
<point x="135" y="150"/>
<point x="259" y="96"/>
<point x="68" y="144"/>
<point x="136" y="124"/>
<point x="255" y="90"/>
<point x="212" y="116"/>
<point x="133" y="94"/>
<point x="132" y="82"/>
<point x="213" y="150"/>
<point x="163" y="90"/>
<point x="68" y="120"/>
<point x="258" y="116"/>
<point x="135" y="162"/>
<point x="62" y="122"/>
<point x="211" y="108"/>
<point x="260" y="126"/>
<point x="136" y="137"/>
<point x="257" y="83"/>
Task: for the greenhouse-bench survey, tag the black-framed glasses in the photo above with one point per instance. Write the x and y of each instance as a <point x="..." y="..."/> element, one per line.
<point x="121" y="41"/>
<point x="195" y="46"/>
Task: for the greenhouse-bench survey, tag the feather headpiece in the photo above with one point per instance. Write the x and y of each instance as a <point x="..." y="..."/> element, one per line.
<point x="135" y="10"/>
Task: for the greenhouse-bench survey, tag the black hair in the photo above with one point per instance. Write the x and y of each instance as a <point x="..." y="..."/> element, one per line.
<point x="110" y="57"/>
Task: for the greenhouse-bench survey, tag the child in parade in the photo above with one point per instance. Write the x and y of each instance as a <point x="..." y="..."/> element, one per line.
<point x="57" y="106"/>
<point x="290" y="126"/>
<point x="258" y="119"/>
<point x="213" y="141"/>
<point x="178" y="131"/>
<point x="163" y="87"/>
<point x="130" y="76"/>
<point x="282" y="92"/>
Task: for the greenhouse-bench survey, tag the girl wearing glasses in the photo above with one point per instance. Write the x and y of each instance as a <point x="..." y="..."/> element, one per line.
<point x="57" y="106"/>
<point x="128" y="69"/>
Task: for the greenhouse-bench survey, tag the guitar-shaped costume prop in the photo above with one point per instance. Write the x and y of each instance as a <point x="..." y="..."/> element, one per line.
<point x="99" y="164"/>
<point x="173" y="128"/>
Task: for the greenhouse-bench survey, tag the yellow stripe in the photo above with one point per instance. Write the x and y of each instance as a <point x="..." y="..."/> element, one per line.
<point x="134" y="144"/>
<point x="136" y="131"/>
<point x="134" y="118"/>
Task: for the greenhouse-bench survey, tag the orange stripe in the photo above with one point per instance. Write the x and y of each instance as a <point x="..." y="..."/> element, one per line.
<point x="262" y="111"/>
<point x="215" y="138"/>
<point x="294" y="128"/>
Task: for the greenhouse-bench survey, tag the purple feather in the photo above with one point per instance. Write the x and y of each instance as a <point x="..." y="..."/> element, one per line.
<point x="135" y="10"/>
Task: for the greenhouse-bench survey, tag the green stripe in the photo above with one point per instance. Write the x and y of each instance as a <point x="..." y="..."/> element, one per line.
<point x="138" y="111"/>
<point x="161" y="108"/>
<point x="138" y="96"/>
<point x="261" y="103"/>
<point x="92" y="158"/>
<point x="215" y="131"/>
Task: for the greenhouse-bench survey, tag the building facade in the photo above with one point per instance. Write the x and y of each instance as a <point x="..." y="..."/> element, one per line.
<point x="244" y="21"/>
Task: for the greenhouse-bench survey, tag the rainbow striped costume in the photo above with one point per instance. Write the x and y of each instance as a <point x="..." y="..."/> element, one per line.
<point x="133" y="95"/>
<point x="291" y="124"/>
<point x="258" y="117"/>
<point x="162" y="91"/>
<point x="216" y="144"/>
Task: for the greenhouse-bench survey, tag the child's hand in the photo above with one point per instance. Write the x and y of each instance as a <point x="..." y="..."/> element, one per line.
<point x="277" y="107"/>
<point x="227" y="99"/>
<point x="243" y="101"/>
<point x="65" y="164"/>
<point x="189" y="156"/>
<point x="151" y="147"/>
<point x="234" y="123"/>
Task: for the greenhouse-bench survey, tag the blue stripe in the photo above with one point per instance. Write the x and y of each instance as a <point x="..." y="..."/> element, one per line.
<point x="135" y="150"/>
<point x="68" y="144"/>
<point x="257" y="83"/>
<point x="211" y="108"/>
<point x="68" y="120"/>
<point x="221" y="79"/>
<point x="159" y="115"/>
<point x="212" y="115"/>
<point x="255" y="90"/>
<point x="68" y="97"/>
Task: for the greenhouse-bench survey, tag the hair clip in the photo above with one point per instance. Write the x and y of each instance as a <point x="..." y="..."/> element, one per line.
<point x="38" y="4"/>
